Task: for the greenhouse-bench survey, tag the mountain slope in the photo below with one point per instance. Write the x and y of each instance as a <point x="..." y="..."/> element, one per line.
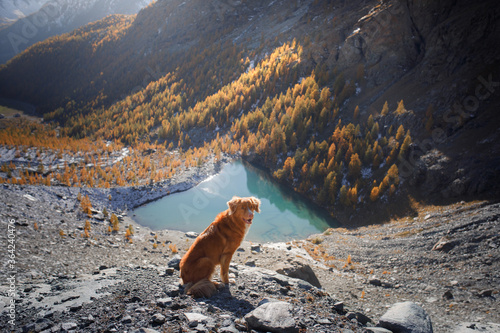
<point x="163" y="35"/>
<point x="57" y="17"/>
<point x="425" y="46"/>
<point x="346" y="103"/>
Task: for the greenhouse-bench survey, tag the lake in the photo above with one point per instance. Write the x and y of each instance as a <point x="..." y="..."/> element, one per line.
<point x="284" y="216"/>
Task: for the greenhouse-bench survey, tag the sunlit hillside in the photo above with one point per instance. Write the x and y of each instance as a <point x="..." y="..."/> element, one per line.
<point x="349" y="104"/>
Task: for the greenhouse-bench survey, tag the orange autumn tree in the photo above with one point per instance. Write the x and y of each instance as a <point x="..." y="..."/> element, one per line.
<point x="86" y="205"/>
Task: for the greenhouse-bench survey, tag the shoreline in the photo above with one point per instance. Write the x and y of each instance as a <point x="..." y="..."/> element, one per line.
<point x="128" y="198"/>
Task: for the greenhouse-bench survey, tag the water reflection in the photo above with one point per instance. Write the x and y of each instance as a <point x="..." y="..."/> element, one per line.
<point x="284" y="214"/>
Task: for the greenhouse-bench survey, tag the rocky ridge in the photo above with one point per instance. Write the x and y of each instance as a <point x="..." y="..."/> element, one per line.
<point x="444" y="262"/>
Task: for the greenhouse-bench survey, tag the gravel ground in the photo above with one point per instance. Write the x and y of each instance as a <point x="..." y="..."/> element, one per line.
<point x="107" y="283"/>
<point x="447" y="261"/>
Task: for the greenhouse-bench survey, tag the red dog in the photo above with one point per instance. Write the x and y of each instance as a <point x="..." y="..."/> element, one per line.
<point x="216" y="246"/>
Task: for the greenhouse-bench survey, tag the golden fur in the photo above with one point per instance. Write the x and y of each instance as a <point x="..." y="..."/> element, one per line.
<point x="216" y="246"/>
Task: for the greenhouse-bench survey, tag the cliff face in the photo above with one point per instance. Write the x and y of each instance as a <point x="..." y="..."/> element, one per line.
<point x="385" y="41"/>
<point x="443" y="60"/>
<point x="440" y="46"/>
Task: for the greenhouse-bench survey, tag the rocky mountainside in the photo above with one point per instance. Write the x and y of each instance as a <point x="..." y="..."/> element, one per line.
<point x="49" y="18"/>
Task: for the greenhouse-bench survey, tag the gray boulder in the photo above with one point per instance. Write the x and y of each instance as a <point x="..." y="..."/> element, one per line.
<point x="299" y="270"/>
<point x="406" y="317"/>
<point x="445" y="244"/>
<point x="272" y="317"/>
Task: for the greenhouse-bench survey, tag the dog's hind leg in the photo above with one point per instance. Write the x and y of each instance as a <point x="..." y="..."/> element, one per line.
<point x="200" y="269"/>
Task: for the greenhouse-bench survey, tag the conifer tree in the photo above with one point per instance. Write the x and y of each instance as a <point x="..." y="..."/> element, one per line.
<point x="370" y="122"/>
<point x="406" y="144"/>
<point x="400" y="132"/>
<point x="393" y="174"/>
<point x="401" y="108"/>
<point x="356" y="113"/>
<point x="374" y="193"/>
<point x="385" y="109"/>
<point x="343" y="198"/>
<point x="355" y="166"/>
<point x="114" y="222"/>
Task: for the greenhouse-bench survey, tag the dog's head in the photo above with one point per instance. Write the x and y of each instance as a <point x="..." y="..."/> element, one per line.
<point x="243" y="208"/>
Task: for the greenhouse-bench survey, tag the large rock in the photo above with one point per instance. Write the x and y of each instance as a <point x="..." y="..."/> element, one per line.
<point x="445" y="244"/>
<point x="406" y="317"/>
<point x="272" y="317"/>
<point x="299" y="271"/>
<point x="175" y="262"/>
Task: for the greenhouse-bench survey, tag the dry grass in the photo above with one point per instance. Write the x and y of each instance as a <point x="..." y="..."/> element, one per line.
<point x="319" y="253"/>
<point x="173" y="248"/>
<point x="316" y="240"/>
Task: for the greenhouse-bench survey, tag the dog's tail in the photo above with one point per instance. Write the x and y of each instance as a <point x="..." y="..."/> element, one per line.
<point x="202" y="288"/>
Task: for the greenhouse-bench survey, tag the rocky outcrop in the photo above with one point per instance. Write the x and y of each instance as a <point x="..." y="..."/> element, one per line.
<point x="385" y="41"/>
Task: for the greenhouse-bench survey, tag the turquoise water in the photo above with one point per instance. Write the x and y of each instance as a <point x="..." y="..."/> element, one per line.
<point x="284" y="214"/>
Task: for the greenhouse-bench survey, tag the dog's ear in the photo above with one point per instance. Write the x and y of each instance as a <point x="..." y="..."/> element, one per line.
<point x="255" y="203"/>
<point x="233" y="204"/>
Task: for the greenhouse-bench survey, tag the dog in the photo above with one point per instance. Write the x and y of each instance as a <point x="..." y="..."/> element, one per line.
<point x="216" y="246"/>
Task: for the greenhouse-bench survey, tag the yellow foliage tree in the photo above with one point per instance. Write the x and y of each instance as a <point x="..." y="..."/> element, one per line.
<point x="374" y="193"/>
<point x="400" y="132"/>
<point x="385" y="109"/>
<point x="114" y="222"/>
<point x="355" y="166"/>
<point x="86" y="205"/>
<point x="401" y="108"/>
